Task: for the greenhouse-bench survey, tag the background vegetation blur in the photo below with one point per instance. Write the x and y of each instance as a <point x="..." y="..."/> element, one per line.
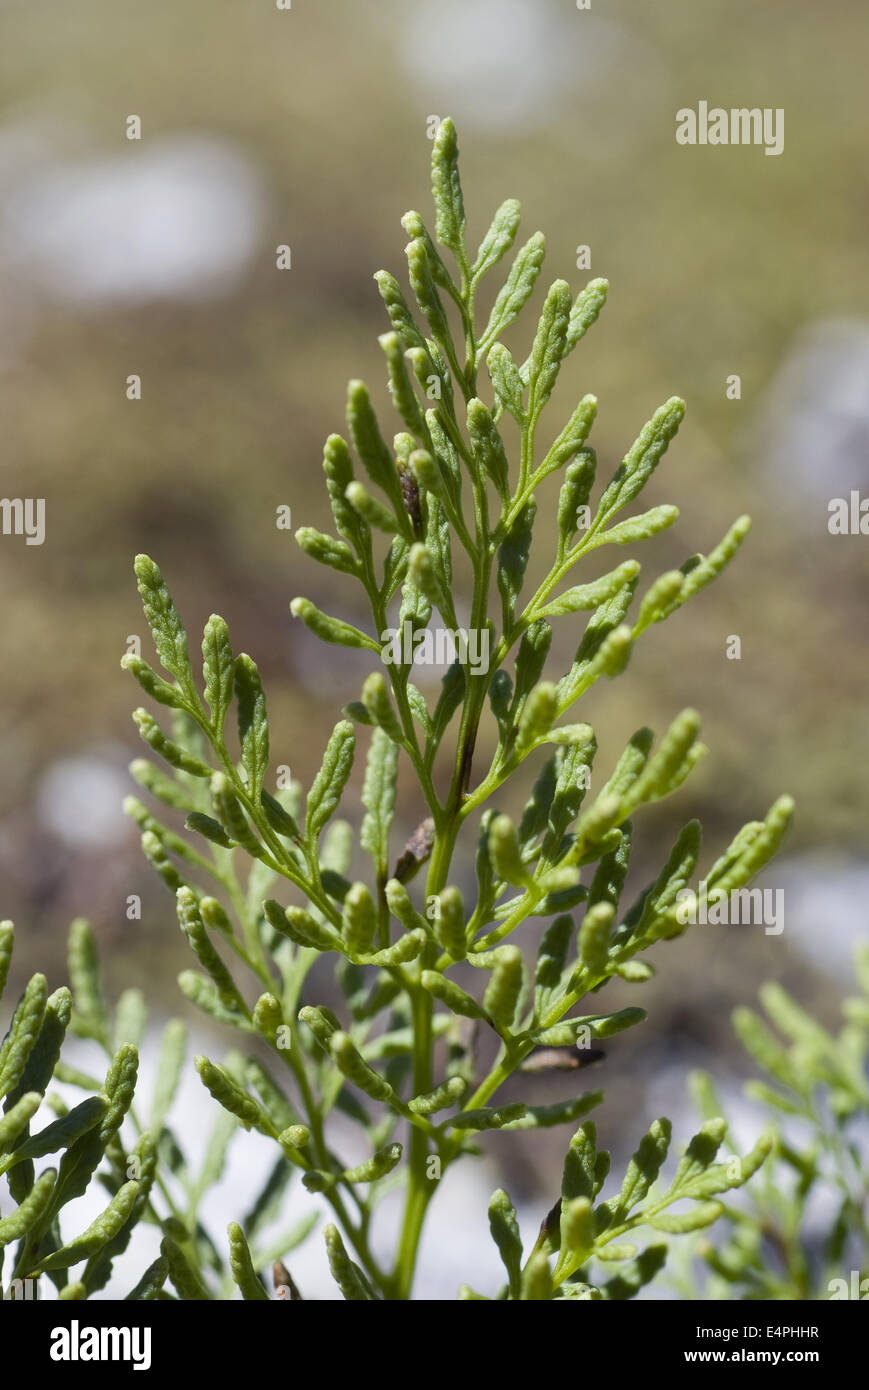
<point x="307" y="127"/>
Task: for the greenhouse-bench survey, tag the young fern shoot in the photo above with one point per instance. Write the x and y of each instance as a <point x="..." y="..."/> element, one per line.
<point x="401" y="1061"/>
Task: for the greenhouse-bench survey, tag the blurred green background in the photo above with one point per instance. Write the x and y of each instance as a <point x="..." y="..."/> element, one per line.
<point x="307" y="127"/>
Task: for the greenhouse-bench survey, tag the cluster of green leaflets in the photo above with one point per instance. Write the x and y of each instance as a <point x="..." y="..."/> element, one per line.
<point x="266" y="879"/>
<point x="817" y="1096"/>
<point x="79" y="1140"/>
<point x="402" y="1057"/>
<point x="102" y="1140"/>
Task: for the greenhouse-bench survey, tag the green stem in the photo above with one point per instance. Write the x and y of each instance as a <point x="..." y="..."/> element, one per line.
<point x="420" y="1187"/>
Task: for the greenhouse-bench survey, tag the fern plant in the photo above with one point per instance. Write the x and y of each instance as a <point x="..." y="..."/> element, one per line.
<point x="803" y="1232"/>
<point x="106" y="1140"/>
<point x="264" y="887"/>
<point x="87" y="1136"/>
